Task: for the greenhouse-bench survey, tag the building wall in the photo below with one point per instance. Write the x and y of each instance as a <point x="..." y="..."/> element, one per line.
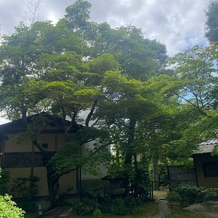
<point x="102" y="168"/>
<point x="54" y="142"/>
<point x="200" y="160"/>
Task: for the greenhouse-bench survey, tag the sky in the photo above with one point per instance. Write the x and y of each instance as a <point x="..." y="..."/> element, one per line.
<point x="178" y="24"/>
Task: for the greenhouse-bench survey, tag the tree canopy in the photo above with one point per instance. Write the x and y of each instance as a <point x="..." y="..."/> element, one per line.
<point x="211" y="23"/>
<point x="134" y="100"/>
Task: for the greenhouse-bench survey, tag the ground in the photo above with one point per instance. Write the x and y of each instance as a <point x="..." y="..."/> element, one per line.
<point x="148" y="210"/>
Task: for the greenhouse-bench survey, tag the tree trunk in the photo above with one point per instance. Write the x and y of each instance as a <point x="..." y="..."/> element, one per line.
<point x="136" y="179"/>
<point x="129" y="153"/>
<point x="155" y="174"/>
<point x="53" y="186"/>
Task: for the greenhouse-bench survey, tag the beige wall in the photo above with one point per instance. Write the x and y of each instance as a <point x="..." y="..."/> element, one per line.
<point x="211" y="182"/>
<point x="54" y="142"/>
<point x="12" y="146"/>
<point x="102" y="169"/>
<point x="66" y="181"/>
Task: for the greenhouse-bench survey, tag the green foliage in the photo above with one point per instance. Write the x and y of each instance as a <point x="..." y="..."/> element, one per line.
<point x="95" y="189"/>
<point x="163" y="174"/>
<point x="9" y="209"/>
<point x="105" y="206"/>
<point x="210" y="194"/>
<point x="173" y="196"/>
<point x="144" y="184"/>
<point x="187" y="195"/>
<point x="211" y="31"/>
<point x="4" y="179"/>
<point x="97" y="214"/>
<point x="84" y="207"/>
<point x="25" y="189"/>
<point x="119" y="206"/>
<point x="128" y="205"/>
<point x="133" y="204"/>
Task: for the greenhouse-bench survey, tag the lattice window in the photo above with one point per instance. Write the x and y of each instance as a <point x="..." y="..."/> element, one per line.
<point x="22" y="159"/>
<point x="38" y="160"/>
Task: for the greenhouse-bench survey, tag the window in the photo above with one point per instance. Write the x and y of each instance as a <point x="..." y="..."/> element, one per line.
<point x="23" y="159"/>
<point x="210" y="169"/>
<point x="38" y="162"/>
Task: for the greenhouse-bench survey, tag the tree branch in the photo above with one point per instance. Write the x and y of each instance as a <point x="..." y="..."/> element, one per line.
<point x="91" y="113"/>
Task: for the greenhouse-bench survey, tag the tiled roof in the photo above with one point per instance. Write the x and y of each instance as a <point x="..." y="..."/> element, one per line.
<point x="206" y="147"/>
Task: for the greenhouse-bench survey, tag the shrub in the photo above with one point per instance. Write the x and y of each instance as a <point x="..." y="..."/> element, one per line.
<point x="133" y="204"/>
<point x="173" y="196"/>
<point x="8" y="208"/>
<point x="4" y="179"/>
<point x="105" y="206"/>
<point x="25" y="189"/>
<point x="186" y="194"/>
<point x="83" y="207"/>
<point x="97" y="213"/>
<point x="119" y="206"/>
<point x="189" y="194"/>
<point x="210" y="194"/>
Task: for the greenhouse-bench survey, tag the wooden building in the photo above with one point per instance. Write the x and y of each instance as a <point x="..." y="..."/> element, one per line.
<point x="206" y="165"/>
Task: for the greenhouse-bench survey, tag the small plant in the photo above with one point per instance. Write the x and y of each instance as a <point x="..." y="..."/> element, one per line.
<point x="105" y="206"/>
<point x="83" y="207"/>
<point x="173" y="196"/>
<point x="210" y="194"/>
<point x="95" y="189"/>
<point x="4" y="179"/>
<point x="186" y="194"/>
<point x="25" y="189"/>
<point x="9" y="209"/>
<point x="119" y="206"/>
<point x="97" y="213"/>
<point x="133" y="204"/>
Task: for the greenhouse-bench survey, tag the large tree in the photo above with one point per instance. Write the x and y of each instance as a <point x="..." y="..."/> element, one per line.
<point x="76" y="66"/>
<point x="211" y="31"/>
<point x="195" y="87"/>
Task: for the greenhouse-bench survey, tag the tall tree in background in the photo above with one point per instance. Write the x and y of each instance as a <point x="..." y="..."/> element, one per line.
<point x="195" y="86"/>
<point x="212" y="22"/>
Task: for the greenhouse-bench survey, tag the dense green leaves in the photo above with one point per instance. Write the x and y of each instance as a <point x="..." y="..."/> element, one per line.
<point x="212" y="22"/>
<point x="112" y="84"/>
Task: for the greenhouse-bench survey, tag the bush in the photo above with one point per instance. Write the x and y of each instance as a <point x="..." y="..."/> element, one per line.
<point x="119" y="206"/>
<point x="25" y="189"/>
<point x="105" y="206"/>
<point x="97" y="213"/>
<point x="8" y="208"/>
<point x="187" y="195"/>
<point x="84" y="207"/>
<point x="133" y="204"/>
<point x="173" y="197"/>
<point x="4" y="179"/>
<point x="210" y="194"/>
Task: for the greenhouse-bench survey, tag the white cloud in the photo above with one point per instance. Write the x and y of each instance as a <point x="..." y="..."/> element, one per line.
<point x="179" y="24"/>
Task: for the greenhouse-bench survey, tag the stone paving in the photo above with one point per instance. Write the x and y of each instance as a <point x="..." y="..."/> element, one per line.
<point x="163" y="209"/>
